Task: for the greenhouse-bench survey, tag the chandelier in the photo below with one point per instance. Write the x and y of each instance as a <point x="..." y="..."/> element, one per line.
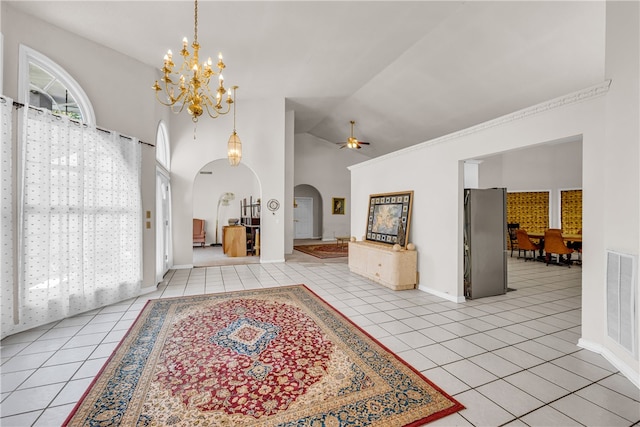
<point x="234" y="146"/>
<point x="192" y="82"/>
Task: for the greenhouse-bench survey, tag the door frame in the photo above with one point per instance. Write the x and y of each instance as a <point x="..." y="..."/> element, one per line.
<point x="163" y="224"/>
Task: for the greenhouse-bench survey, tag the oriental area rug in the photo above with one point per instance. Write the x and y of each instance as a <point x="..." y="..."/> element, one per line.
<point x="330" y="250"/>
<point x="268" y="357"/>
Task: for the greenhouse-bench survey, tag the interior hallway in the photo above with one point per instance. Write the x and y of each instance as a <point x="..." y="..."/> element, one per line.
<point x="212" y="256"/>
<point x="510" y="359"/>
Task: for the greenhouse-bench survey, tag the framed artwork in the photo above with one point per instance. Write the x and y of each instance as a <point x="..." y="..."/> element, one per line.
<point x="337" y="206"/>
<point x="389" y="217"/>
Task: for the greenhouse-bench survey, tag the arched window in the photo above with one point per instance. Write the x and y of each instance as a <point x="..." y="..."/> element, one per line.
<point x="43" y="83"/>
<point x="163" y="154"/>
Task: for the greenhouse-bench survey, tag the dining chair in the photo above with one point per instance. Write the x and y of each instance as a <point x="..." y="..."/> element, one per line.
<point x="198" y="231"/>
<point x="525" y="244"/>
<point x="513" y="239"/>
<point x="554" y="244"/>
<point x="577" y="248"/>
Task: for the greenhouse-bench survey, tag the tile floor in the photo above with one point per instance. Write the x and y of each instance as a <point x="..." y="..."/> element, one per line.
<point x="511" y="359"/>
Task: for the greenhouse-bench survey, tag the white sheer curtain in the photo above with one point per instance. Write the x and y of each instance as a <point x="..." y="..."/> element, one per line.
<point x="80" y="218"/>
<point x="6" y="216"/>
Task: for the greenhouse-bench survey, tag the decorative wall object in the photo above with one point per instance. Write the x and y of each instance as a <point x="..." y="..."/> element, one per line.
<point x="530" y="209"/>
<point x="571" y="211"/>
<point x="389" y="217"/>
<point x="337" y="206"/>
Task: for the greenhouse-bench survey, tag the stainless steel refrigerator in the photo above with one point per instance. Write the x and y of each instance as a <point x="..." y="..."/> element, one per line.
<point x="485" y="223"/>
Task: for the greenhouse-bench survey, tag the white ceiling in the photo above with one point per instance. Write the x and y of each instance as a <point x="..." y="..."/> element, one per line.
<point x="406" y="72"/>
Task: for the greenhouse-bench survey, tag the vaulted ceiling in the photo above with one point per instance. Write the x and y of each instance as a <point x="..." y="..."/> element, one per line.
<point x="406" y="72"/>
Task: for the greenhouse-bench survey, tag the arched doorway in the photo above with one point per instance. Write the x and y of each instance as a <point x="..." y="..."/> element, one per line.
<point x="307" y="212"/>
<point x="218" y="191"/>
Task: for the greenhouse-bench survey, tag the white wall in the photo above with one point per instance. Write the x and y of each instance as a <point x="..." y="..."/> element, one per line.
<point x="617" y="161"/>
<point x="289" y="178"/>
<point x="323" y="165"/>
<point x="261" y="127"/>
<point x="239" y="180"/>
<point x="547" y="167"/>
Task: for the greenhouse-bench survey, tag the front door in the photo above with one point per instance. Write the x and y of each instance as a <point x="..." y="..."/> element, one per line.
<point x="303" y="218"/>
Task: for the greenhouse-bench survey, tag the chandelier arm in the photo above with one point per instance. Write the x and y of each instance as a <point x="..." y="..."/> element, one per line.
<point x="172" y="101"/>
<point x="179" y="110"/>
<point x="218" y="113"/>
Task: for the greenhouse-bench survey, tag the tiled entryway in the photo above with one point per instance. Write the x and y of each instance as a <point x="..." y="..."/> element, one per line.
<point x="510" y="359"/>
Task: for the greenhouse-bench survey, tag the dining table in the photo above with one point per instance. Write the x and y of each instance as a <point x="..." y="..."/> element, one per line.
<point x="567" y="237"/>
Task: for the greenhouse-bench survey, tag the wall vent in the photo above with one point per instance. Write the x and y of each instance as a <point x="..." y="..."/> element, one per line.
<point x="622" y="313"/>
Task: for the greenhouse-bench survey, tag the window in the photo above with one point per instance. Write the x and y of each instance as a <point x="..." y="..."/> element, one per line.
<point x="530" y="209"/>
<point x="163" y="155"/>
<point x="43" y="83"/>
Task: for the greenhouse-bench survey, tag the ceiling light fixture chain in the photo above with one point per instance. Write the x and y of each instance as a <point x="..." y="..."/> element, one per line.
<point x="192" y="82"/>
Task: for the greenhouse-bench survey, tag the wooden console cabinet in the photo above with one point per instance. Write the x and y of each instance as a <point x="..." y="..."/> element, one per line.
<point x="395" y="270"/>
<point x="234" y="240"/>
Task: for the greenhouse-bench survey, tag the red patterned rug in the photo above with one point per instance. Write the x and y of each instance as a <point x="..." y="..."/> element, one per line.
<point x="268" y="357"/>
<point x="330" y="250"/>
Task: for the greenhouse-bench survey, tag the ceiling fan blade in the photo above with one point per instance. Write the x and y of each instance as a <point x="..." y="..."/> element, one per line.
<point x="365" y="143"/>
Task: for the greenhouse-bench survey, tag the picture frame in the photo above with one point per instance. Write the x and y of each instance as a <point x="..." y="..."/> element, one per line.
<point x="337" y="206"/>
<point x="389" y="218"/>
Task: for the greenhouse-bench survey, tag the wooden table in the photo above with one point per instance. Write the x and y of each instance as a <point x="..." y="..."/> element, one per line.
<point x="565" y="237"/>
<point x="342" y="240"/>
<point x="234" y="240"/>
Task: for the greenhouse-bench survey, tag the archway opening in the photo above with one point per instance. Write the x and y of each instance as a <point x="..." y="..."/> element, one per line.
<point x="307" y="212"/>
<point x="219" y="193"/>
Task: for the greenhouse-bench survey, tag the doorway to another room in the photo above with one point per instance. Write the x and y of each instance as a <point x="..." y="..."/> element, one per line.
<point x="307" y="212"/>
<point x="219" y="192"/>
<point x="303" y="218"/>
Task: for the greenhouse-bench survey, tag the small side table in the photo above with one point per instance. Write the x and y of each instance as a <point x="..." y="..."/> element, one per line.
<point x="342" y="240"/>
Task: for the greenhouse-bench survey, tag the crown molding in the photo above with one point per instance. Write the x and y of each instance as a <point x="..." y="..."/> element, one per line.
<point x="588" y="93"/>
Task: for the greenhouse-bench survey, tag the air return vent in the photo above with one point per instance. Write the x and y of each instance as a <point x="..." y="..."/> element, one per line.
<point x="622" y="313"/>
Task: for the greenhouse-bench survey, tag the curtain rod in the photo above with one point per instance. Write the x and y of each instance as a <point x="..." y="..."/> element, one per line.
<point x="21" y="105"/>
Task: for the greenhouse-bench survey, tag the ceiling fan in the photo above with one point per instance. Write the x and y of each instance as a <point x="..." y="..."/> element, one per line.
<point x="352" y="142"/>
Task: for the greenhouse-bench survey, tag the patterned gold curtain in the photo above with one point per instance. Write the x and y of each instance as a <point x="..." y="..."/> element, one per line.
<point x="530" y="209"/>
<point x="571" y="211"/>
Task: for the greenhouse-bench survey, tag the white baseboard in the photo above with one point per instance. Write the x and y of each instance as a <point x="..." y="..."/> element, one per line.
<point x="272" y="261"/>
<point x="624" y="369"/>
<point x="182" y="266"/>
<point x="440" y="294"/>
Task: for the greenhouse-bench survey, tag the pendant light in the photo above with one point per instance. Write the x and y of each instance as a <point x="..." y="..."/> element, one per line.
<point x="234" y="147"/>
